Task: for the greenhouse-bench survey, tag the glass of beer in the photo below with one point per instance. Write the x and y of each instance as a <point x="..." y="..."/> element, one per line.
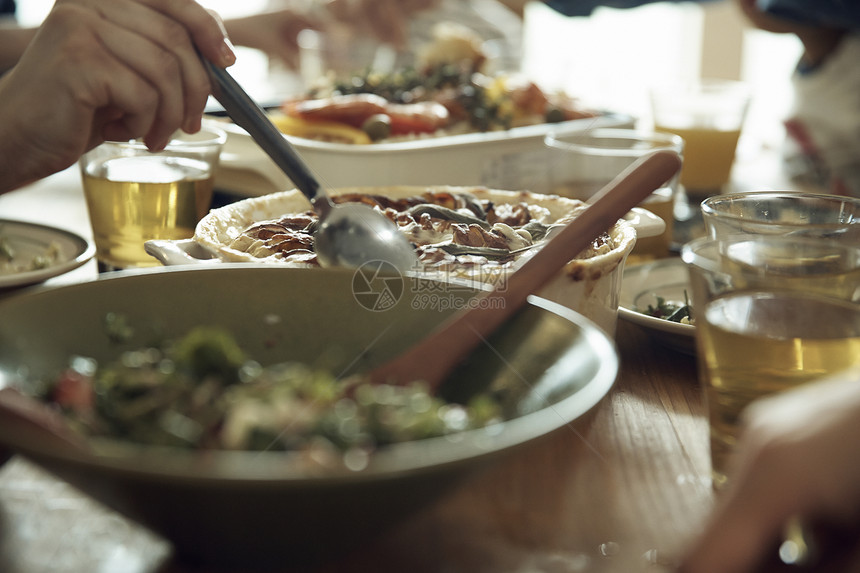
<point x="771" y="312"/>
<point x="134" y="195"/>
<point x="581" y="163"/>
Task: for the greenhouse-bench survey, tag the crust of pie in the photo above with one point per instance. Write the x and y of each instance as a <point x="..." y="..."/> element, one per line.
<point x="224" y="230"/>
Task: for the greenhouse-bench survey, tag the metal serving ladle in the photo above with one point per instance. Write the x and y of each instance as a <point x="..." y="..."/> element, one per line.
<point x="348" y="234"/>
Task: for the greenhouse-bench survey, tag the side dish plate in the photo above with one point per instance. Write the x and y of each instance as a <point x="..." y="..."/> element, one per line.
<point x="28" y="241"/>
<point x="640" y="287"/>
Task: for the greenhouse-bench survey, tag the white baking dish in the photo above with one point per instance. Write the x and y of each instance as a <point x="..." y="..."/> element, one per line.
<point x="590" y="286"/>
<point x="511" y="159"/>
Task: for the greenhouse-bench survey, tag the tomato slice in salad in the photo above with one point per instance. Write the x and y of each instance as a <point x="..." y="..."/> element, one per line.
<point x="424" y="117"/>
<point x="354" y="109"/>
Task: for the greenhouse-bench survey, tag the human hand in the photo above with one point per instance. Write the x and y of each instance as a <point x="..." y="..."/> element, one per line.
<point x="797" y="459"/>
<point x="387" y="20"/>
<point x="98" y="70"/>
<point x="275" y="33"/>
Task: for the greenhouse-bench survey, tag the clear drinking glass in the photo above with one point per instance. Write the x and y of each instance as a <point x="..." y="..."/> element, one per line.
<point x="580" y="164"/>
<point x="134" y="195"/>
<point x="771" y="312"/>
<point x="783" y="213"/>
<point x="709" y="115"/>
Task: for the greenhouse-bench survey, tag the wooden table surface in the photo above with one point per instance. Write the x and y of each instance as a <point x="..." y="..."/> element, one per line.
<point x="624" y="491"/>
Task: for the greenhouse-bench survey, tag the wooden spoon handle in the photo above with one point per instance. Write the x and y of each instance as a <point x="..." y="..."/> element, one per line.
<point x="433" y="359"/>
<point x="43" y="426"/>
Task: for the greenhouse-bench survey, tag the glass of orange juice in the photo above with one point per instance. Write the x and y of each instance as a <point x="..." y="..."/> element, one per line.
<point x="709" y="115"/>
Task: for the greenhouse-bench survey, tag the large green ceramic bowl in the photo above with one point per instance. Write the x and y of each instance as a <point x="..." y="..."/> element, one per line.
<point x="269" y="508"/>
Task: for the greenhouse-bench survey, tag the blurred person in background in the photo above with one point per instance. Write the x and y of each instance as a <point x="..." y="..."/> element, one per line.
<point x="824" y="125"/>
<point x="823" y="128"/>
<point x="118" y="70"/>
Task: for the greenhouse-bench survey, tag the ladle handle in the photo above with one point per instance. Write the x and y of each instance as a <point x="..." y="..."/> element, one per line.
<point x="250" y="116"/>
<point x="436" y="355"/>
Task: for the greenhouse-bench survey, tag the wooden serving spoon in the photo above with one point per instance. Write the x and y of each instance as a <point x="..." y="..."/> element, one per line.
<point x="43" y="426"/>
<point x="435" y="357"/>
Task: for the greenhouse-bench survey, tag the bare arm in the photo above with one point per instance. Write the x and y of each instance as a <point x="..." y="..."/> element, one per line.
<point x="386" y="19"/>
<point x="275" y="33"/>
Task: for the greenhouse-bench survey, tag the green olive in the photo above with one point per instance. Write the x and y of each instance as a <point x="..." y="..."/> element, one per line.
<point x="554" y="115"/>
<point x="377" y="126"/>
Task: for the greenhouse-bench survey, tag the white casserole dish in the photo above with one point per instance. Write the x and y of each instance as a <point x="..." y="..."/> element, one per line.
<point x="511" y="159"/>
<point x="589" y="286"/>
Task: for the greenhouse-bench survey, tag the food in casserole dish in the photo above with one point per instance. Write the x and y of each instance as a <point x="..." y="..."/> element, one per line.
<point x="471" y="234"/>
<point x="461" y="231"/>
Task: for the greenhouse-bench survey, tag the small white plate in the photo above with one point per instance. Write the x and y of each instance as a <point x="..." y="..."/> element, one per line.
<point x="30" y="240"/>
<point x="641" y="285"/>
